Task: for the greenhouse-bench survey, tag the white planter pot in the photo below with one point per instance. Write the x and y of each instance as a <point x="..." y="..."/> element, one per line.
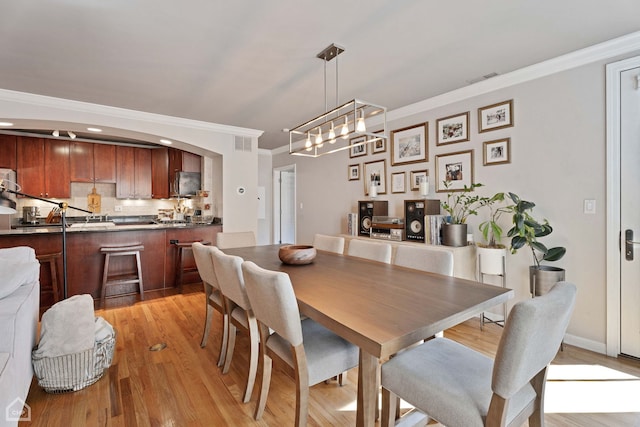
<point x="491" y="260"/>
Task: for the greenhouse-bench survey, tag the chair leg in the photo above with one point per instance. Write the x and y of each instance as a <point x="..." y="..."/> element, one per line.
<point x="231" y="343"/>
<point x="264" y="385"/>
<point x="225" y="338"/>
<point x="390" y="403"/>
<point x="253" y="358"/>
<point x="207" y="326"/>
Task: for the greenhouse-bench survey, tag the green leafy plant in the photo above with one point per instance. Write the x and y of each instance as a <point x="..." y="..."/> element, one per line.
<point x="527" y="230"/>
<point x="461" y="204"/>
<point x="490" y="229"/>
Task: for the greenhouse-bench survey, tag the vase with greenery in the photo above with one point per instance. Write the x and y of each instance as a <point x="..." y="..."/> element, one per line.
<point x="459" y="205"/>
<point x="492" y="253"/>
<point x="526" y="231"/>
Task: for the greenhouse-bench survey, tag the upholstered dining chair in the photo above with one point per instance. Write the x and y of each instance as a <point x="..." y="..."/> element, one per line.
<point x="235" y="239"/>
<point x="458" y="386"/>
<point x="213" y="295"/>
<point x="327" y="243"/>
<point x="229" y="273"/>
<point x="424" y="259"/>
<point x="370" y="250"/>
<point x="311" y="351"/>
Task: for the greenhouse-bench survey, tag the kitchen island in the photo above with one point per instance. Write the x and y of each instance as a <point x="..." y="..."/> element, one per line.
<point x="85" y="262"/>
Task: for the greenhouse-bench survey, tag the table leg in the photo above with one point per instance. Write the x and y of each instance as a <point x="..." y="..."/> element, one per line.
<point x="368" y="381"/>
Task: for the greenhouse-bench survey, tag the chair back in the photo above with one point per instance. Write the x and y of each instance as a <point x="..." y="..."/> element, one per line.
<point x="273" y="301"/>
<point x="531" y="338"/>
<point x="204" y="263"/>
<point x="237" y="239"/>
<point x="228" y="269"/>
<point x="333" y="244"/>
<point x="424" y="259"/>
<point x="370" y="250"/>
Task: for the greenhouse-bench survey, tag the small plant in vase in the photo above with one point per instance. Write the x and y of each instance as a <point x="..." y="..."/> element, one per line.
<point x="459" y="205"/>
<point x="492" y="253"/>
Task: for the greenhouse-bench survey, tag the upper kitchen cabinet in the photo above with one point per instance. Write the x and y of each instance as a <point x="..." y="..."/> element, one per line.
<point x="92" y="162"/>
<point x="43" y="168"/>
<point x="160" y="173"/>
<point x="8" y="152"/>
<point x="133" y="170"/>
<point x="183" y="161"/>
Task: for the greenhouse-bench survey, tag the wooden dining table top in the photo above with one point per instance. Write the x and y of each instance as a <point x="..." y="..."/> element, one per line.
<point x="381" y="308"/>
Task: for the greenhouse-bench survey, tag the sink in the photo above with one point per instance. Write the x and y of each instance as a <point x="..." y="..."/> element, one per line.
<point x="92" y="225"/>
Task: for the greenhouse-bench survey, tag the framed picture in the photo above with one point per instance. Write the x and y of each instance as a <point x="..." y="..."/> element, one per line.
<point x="398" y="180"/>
<point x="496" y="116"/>
<point x="379" y="146"/>
<point x="457" y="168"/>
<point x="452" y="129"/>
<point x="359" y="150"/>
<point x="417" y="177"/>
<point x="374" y="173"/>
<point x="409" y="145"/>
<point x="354" y="172"/>
<point x="496" y="152"/>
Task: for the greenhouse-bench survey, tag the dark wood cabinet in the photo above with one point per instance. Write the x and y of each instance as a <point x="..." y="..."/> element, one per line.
<point x="43" y="167"/>
<point x="8" y="152"/>
<point x="92" y="162"/>
<point x="160" y="173"/>
<point x="133" y="170"/>
<point x="182" y="161"/>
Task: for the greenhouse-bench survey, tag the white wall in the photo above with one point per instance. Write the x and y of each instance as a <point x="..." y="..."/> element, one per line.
<point x="557" y="161"/>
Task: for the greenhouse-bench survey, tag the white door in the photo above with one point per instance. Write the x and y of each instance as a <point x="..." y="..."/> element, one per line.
<point x="630" y="212"/>
<point x="284" y="204"/>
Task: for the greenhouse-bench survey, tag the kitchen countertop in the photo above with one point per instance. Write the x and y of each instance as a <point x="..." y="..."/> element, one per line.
<point x="98" y="227"/>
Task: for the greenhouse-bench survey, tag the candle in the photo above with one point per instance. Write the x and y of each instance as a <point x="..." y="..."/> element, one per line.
<point x="424" y="188"/>
<point x="373" y="191"/>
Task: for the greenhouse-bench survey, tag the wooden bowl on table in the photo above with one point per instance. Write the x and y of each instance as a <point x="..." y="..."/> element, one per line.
<point x="297" y="254"/>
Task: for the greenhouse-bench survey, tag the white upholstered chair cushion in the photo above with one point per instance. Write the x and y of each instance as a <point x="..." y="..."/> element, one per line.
<point x="236" y="239"/>
<point x="424" y="259"/>
<point x="456" y="385"/>
<point x="327" y="243"/>
<point x="370" y="250"/>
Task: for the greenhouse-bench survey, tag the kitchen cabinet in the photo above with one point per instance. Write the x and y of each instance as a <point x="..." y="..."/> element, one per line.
<point x="92" y="162"/>
<point x="8" y="152"/>
<point x="160" y="173"/>
<point x="182" y="161"/>
<point x="133" y="173"/>
<point x="43" y="168"/>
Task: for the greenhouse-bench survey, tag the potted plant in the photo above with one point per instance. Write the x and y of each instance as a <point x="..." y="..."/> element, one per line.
<point x="527" y="230"/>
<point x="460" y="204"/>
<point x="492" y="253"/>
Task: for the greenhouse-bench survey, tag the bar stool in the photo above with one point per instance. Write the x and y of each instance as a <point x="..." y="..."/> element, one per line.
<point x="180" y="268"/>
<point x="121" y="279"/>
<point x="51" y="260"/>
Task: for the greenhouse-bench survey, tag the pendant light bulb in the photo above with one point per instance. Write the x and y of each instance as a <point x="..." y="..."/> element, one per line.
<point x="345" y="129"/>
<point x="319" y="138"/>
<point x="307" y="144"/>
<point x="332" y="135"/>
<point x="361" y="127"/>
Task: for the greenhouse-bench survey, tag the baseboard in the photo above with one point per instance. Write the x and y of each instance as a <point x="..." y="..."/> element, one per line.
<point x="586" y="344"/>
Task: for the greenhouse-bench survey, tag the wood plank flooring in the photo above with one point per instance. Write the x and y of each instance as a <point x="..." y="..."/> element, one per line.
<point x="181" y="385"/>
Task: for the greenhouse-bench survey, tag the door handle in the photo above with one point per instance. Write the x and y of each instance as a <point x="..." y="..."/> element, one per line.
<point x="628" y="244"/>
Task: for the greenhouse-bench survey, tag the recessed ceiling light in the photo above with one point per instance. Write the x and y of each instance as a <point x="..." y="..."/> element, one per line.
<point x="166" y="141"/>
<point x="6" y="124"/>
<point x="94" y="130"/>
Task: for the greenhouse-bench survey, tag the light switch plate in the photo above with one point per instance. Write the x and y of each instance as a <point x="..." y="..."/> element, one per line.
<point x="589" y="206"/>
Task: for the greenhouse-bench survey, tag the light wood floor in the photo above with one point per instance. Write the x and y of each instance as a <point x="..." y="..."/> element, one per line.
<point x="181" y="385"/>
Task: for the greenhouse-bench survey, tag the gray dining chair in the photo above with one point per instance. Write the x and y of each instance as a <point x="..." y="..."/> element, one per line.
<point x="229" y="273"/>
<point x="424" y="259"/>
<point x="370" y="250"/>
<point x="213" y="295"/>
<point x="458" y="386"/>
<point x="311" y="351"/>
<point x="327" y="243"/>
<point x="235" y="239"/>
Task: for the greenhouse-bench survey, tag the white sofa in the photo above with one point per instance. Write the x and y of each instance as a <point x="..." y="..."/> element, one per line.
<point x="19" y="304"/>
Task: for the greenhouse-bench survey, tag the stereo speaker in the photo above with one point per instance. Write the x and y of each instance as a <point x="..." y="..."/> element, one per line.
<point x="367" y="209"/>
<point x="414" y="212"/>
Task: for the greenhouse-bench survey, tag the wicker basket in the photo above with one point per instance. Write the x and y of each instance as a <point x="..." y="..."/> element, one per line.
<point x="73" y="372"/>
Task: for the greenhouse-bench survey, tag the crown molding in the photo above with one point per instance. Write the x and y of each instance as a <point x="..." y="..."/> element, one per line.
<point x="121" y="113"/>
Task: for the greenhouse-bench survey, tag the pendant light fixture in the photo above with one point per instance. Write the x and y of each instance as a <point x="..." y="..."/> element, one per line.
<point x="351" y="119"/>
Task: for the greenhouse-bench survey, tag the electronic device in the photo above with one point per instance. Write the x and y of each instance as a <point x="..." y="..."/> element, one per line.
<point x="387" y="228"/>
<point x="414" y="212"/>
<point x="366" y="210"/>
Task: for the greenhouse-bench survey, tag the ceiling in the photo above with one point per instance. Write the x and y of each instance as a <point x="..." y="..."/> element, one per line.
<point x="253" y="63"/>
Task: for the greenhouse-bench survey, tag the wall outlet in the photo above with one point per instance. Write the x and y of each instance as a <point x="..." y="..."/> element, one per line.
<point x="118" y="208"/>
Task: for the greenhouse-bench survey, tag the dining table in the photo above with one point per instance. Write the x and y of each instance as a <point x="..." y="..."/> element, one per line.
<point x="381" y="308"/>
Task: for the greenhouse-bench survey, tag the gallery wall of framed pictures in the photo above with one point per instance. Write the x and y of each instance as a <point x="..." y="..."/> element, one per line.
<point x="408" y="152"/>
